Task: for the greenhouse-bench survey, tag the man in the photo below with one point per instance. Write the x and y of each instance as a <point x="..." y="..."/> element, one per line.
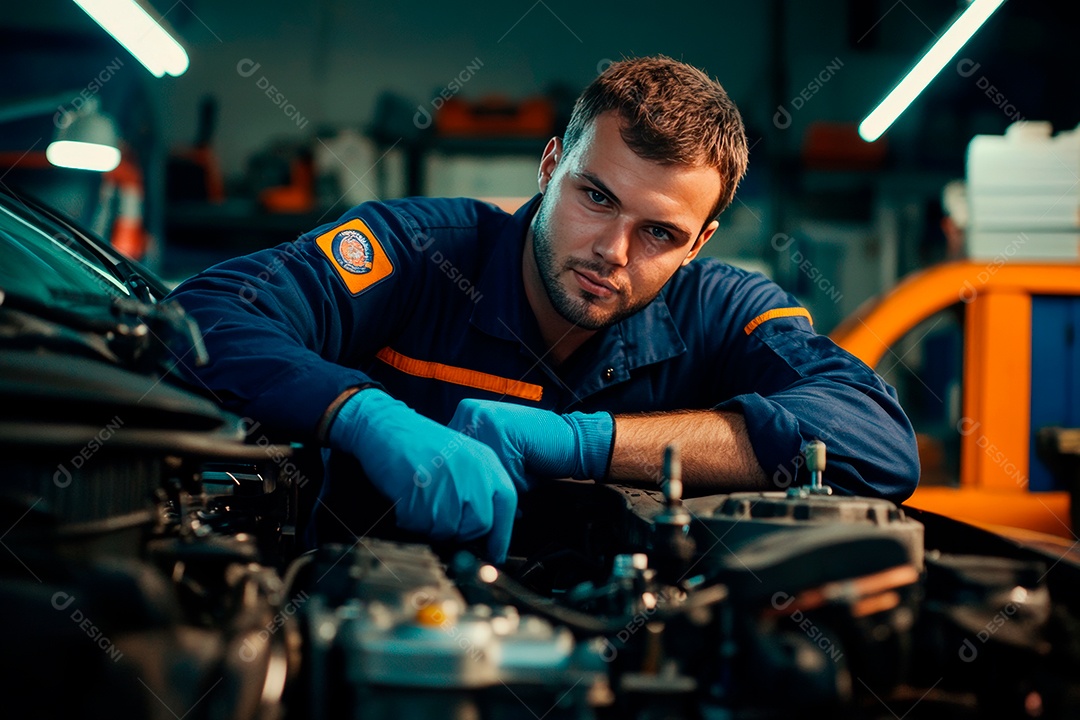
<point x="452" y="355"/>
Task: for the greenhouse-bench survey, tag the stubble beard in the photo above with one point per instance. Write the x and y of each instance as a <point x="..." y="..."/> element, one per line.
<point x="578" y="307"/>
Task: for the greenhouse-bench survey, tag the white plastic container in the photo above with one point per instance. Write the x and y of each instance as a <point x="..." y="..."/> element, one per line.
<point x="1023" y="192"/>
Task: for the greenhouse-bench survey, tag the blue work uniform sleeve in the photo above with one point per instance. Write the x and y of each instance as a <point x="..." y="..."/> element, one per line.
<point x="793" y="385"/>
<point x="285" y="328"/>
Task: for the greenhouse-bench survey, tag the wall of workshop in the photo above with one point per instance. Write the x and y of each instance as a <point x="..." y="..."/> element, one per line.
<point x="330" y="61"/>
<point x="787" y="64"/>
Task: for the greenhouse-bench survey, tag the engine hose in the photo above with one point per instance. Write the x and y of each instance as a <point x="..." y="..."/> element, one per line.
<point x="582" y="623"/>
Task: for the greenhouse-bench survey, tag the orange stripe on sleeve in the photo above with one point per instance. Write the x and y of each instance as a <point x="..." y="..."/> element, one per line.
<point x="777" y="313"/>
<point x="460" y="376"/>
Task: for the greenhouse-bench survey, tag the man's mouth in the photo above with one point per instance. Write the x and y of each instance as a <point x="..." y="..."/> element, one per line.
<point x="594" y="284"/>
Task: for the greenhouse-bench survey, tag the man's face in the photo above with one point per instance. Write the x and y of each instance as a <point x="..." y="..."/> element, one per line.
<point x="612" y="228"/>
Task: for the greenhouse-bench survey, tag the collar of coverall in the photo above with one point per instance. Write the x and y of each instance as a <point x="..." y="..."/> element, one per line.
<point x="647" y="337"/>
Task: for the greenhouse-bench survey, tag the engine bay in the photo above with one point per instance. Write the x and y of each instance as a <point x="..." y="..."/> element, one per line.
<point x="155" y="568"/>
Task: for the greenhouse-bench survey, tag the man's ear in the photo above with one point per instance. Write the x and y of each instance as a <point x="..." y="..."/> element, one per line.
<point x="552" y="154"/>
<point x="701" y="240"/>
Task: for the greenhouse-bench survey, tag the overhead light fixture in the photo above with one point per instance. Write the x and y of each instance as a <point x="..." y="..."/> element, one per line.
<point x="940" y="53"/>
<point x="140" y="34"/>
<point x="86" y="140"/>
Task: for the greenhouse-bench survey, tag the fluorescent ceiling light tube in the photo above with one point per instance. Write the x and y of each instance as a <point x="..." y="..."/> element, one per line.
<point x="942" y="51"/>
<point x="139" y="33"/>
<point x="82" y="156"/>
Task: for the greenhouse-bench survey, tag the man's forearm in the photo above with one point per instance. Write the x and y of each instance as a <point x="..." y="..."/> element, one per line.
<point x="714" y="447"/>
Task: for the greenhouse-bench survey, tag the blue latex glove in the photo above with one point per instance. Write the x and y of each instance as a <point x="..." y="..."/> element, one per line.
<point x="536" y="443"/>
<point x="446" y="485"/>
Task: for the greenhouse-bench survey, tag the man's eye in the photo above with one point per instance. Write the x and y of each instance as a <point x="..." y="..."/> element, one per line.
<point x="659" y="233"/>
<point x="596" y="196"/>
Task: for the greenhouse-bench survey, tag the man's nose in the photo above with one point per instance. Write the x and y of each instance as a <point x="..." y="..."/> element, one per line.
<point x="613" y="246"/>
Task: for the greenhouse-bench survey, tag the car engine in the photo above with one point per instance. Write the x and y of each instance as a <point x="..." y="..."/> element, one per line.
<point x="153" y="569"/>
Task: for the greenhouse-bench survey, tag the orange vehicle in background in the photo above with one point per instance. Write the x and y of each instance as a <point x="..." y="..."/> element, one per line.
<point x="983" y="351"/>
<point x="1011" y="326"/>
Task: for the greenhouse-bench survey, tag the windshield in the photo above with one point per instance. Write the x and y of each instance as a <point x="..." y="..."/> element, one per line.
<point x="42" y="262"/>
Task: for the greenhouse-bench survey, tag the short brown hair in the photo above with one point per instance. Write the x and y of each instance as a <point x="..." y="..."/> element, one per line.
<point x="671" y="113"/>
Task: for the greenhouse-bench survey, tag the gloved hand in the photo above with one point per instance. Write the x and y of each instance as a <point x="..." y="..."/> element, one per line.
<point x="536" y="443"/>
<point x="446" y="485"/>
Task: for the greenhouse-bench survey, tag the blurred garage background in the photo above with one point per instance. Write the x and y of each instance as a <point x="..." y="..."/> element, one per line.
<point x="290" y="112"/>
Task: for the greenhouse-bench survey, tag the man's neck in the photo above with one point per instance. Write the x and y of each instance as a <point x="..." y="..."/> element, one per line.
<point x="561" y="338"/>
